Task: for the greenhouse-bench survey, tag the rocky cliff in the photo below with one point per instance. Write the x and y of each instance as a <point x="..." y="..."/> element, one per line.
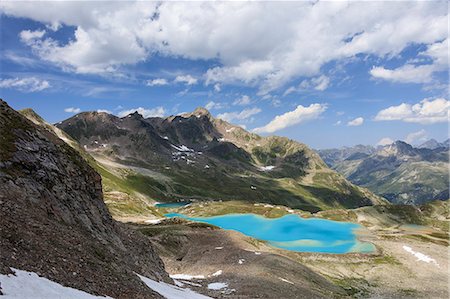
<point x="53" y="220"/>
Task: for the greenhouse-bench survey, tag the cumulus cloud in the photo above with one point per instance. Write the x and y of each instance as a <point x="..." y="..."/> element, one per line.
<point x="417" y="73"/>
<point x="211" y="105"/>
<point x="72" y="110"/>
<point x="186" y="79"/>
<point x="356" y="122"/>
<point x="416" y="136"/>
<point x="427" y="111"/>
<point x="385" y="141"/>
<point x="154" y="112"/>
<point x="243" y="101"/>
<point x="268" y="51"/>
<point x="291" y="118"/>
<point x="405" y="74"/>
<point x="244" y="115"/>
<point x="157" y="82"/>
<point x="30" y="84"/>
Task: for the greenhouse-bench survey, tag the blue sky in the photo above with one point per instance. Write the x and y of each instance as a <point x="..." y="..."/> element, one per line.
<point x="326" y="74"/>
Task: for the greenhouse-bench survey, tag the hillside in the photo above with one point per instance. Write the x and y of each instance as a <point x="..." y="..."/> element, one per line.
<point x="195" y="156"/>
<point x="399" y="172"/>
<point x="53" y="220"/>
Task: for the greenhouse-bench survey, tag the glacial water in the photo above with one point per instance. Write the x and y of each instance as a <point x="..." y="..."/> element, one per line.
<point x="292" y="232"/>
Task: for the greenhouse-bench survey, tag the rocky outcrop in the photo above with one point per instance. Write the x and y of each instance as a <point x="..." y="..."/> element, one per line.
<point x="53" y="220"/>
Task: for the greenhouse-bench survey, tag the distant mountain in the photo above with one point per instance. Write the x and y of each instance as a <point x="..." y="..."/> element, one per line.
<point x="198" y="157"/>
<point x="53" y="220"/>
<point x="399" y="172"/>
<point x="434" y="144"/>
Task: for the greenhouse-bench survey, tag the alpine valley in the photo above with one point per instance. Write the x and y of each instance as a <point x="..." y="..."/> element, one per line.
<point x="83" y="207"/>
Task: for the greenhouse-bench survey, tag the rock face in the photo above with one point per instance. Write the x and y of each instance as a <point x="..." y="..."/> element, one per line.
<point x="399" y="172"/>
<point x="53" y="220"/>
<point x="195" y="156"/>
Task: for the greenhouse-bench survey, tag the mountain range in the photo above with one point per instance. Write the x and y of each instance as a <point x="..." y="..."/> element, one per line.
<point x="398" y="172"/>
<point x="195" y="156"/>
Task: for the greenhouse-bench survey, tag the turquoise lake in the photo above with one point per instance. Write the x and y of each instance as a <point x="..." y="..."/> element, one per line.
<point x="292" y="232"/>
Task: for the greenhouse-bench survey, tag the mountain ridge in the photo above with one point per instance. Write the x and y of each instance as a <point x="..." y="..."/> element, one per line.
<point x="398" y="171"/>
<point x="196" y="156"/>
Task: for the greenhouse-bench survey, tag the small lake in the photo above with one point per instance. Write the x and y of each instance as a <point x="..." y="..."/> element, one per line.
<point x="172" y="204"/>
<point x="292" y="232"/>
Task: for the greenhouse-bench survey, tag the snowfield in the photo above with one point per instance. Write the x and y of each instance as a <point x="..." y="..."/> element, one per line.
<point x="28" y="285"/>
<point x="170" y="291"/>
<point x="420" y="256"/>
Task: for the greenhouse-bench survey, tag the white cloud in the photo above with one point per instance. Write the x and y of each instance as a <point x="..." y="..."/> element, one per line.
<point x="257" y="43"/>
<point x="27" y="35"/>
<point x="155" y="112"/>
<point x="318" y="83"/>
<point x="243" y="101"/>
<point x="405" y="74"/>
<point x="288" y="119"/>
<point x="104" y="111"/>
<point x="416" y="137"/>
<point x="356" y="122"/>
<point x="427" y="111"/>
<point x="338" y="123"/>
<point x="211" y="105"/>
<point x="289" y="91"/>
<point x="385" y="141"/>
<point x="244" y="115"/>
<point x="217" y="87"/>
<point x="414" y="73"/>
<point x="30" y="84"/>
<point x="157" y="82"/>
<point x="186" y="79"/>
<point x="72" y="110"/>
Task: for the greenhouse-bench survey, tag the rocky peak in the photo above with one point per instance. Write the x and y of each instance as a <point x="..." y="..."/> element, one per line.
<point x="135" y="115"/>
<point x="398" y="148"/>
<point x="200" y="111"/>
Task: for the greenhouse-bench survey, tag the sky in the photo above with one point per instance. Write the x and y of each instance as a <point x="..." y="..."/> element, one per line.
<point x="325" y="73"/>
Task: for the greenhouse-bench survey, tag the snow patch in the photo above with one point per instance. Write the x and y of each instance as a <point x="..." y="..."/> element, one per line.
<point x="420" y="256"/>
<point x="26" y="284"/>
<point x="182" y="148"/>
<point x="217" y="285"/>
<point x="219" y="248"/>
<point x="267" y="168"/>
<point x="171" y="291"/>
<point x="186" y="276"/>
<point x="285" y="280"/>
<point x="241" y="261"/>
<point x="217" y="273"/>
<point x="153" y="221"/>
<point x="253" y="187"/>
<point x="257" y="253"/>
